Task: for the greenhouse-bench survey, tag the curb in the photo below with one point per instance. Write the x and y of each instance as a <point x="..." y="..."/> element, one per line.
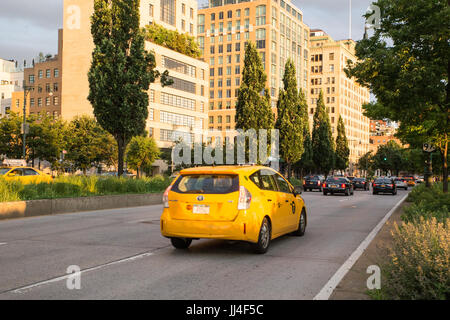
<point x="34" y="208"/>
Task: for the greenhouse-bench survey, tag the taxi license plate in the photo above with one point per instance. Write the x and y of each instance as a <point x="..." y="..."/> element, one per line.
<point x="200" y="209"/>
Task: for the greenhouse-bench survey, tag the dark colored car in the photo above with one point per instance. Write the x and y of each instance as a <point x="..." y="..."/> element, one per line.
<point x="360" y="183"/>
<point x="313" y="182"/>
<point x="351" y="178"/>
<point x="384" y="185"/>
<point x="337" y="185"/>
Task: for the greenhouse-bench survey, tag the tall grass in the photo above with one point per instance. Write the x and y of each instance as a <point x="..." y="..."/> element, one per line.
<point x="80" y="186"/>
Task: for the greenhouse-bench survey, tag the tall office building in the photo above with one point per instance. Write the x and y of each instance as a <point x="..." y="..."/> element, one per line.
<point x="343" y="96"/>
<point x="175" y="111"/>
<point x="224" y="27"/>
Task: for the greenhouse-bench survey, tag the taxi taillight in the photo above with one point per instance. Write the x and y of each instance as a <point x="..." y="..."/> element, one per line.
<point x="166" y="197"/>
<point x="245" y="198"/>
<point x="343" y="186"/>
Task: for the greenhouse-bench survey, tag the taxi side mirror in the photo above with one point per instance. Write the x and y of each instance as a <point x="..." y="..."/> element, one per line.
<point x="298" y="190"/>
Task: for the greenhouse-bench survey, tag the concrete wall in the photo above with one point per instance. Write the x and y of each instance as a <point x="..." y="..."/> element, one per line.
<point x="23" y="209"/>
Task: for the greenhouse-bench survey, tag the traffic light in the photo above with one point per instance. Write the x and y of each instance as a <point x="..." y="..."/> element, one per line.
<point x="384" y="158"/>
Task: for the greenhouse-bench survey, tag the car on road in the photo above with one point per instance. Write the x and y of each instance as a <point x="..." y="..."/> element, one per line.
<point x="26" y="175"/>
<point x="401" y="183"/>
<point x="334" y="185"/>
<point x="255" y="204"/>
<point x="313" y="182"/>
<point x="361" y="183"/>
<point x="410" y="180"/>
<point x="384" y="185"/>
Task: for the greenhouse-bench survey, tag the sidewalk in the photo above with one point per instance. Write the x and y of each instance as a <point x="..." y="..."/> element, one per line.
<point x="353" y="286"/>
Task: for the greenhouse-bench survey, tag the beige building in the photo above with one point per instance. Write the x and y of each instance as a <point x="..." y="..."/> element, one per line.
<point x="343" y="96"/>
<point x="224" y="27"/>
<point x="175" y="111"/>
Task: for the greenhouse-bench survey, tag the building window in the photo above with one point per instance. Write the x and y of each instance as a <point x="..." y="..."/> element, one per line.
<point x="39" y="102"/>
<point x="150" y="10"/>
<point x="55" y="87"/>
<point x="31" y="78"/>
<point x="47" y="101"/>
<point x="178" y="66"/>
<point x="260" y="15"/>
<point x="32" y="102"/>
<point x="177" y="101"/>
<point x="168" y="11"/>
<point x="48" y="73"/>
<point x="40" y="74"/>
<point x="55" y="101"/>
<point x="238" y="13"/>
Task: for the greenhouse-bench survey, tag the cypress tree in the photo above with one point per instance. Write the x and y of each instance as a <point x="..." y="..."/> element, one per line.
<point x="322" y="139"/>
<point x="306" y="163"/>
<point x="253" y="109"/>
<point x="290" y="121"/>
<point x="342" y="149"/>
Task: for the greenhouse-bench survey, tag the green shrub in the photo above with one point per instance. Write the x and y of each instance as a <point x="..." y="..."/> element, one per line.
<point x="427" y="203"/>
<point x="80" y="186"/>
<point x="419" y="266"/>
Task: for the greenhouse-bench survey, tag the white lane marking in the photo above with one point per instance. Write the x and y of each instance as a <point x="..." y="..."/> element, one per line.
<point x="328" y="289"/>
<point x="2" y="243"/>
<point x="343" y="200"/>
<point x="38" y="284"/>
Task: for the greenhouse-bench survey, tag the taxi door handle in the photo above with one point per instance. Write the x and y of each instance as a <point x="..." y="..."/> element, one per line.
<point x="269" y="199"/>
<point x="287" y="200"/>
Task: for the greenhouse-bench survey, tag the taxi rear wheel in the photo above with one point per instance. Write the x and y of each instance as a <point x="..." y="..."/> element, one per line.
<point x="264" y="237"/>
<point x="181" y="243"/>
<point x="301" y="225"/>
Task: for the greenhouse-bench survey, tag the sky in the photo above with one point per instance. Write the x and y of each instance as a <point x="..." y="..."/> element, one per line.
<point x="28" y="27"/>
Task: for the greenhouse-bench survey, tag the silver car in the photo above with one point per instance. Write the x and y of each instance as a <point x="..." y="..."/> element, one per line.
<point x="400" y="183"/>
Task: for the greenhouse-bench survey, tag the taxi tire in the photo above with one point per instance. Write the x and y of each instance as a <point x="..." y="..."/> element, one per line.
<point x="300" y="232"/>
<point x="260" y="247"/>
<point x="181" y="243"/>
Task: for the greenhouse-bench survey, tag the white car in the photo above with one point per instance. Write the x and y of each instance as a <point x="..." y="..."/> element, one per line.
<point x="401" y="183"/>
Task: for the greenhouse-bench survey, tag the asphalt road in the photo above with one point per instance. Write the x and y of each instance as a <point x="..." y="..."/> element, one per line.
<point x="123" y="256"/>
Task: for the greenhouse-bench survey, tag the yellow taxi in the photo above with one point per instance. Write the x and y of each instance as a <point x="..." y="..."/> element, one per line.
<point x="26" y="175"/>
<point x="255" y="204"/>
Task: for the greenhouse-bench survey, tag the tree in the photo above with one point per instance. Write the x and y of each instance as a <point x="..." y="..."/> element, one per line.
<point x="365" y="163"/>
<point x="406" y="64"/>
<point x="322" y="139"/>
<point x="10" y="136"/>
<point x="121" y="71"/>
<point x="142" y="153"/>
<point x="342" y="149"/>
<point x="306" y="163"/>
<point x="253" y="110"/>
<point x="290" y="121"/>
<point x="389" y="157"/>
<point x="85" y="143"/>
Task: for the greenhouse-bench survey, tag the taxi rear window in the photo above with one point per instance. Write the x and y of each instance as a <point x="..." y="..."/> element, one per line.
<point x="335" y="179"/>
<point x="206" y="184"/>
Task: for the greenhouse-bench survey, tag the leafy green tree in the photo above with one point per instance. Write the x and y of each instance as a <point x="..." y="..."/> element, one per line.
<point x="253" y="109"/>
<point x="306" y="163"/>
<point x="290" y="121"/>
<point x="365" y="163"/>
<point x="121" y="71"/>
<point x="10" y="136"/>
<point x="322" y="139"/>
<point x="389" y="157"/>
<point x="406" y="64"/>
<point x="342" y="149"/>
<point x="142" y="153"/>
<point x="85" y="143"/>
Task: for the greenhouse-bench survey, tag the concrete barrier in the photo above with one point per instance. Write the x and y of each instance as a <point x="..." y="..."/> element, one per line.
<point x="33" y="208"/>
